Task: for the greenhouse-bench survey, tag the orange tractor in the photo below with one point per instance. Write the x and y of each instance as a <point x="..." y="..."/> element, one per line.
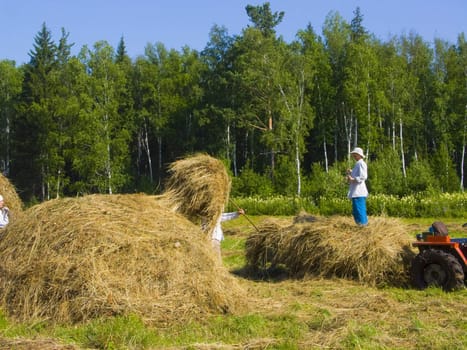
<point x="441" y="261"/>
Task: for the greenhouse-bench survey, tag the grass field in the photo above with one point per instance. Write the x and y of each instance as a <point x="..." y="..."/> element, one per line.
<point x="284" y="314"/>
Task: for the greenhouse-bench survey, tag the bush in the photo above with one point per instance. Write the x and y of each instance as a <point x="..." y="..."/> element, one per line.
<point x="326" y="184"/>
<point x="250" y="183"/>
<point x="385" y="174"/>
<point x="285" y="176"/>
<point x="420" y="177"/>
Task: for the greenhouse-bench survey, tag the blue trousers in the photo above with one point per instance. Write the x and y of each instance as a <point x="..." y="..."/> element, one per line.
<point x="359" y="210"/>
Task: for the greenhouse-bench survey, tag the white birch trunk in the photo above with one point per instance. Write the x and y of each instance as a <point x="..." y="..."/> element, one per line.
<point x="109" y="168"/>
<point x="159" y="162"/>
<point x="148" y="152"/>
<point x="348" y="124"/>
<point x="402" y="148"/>
<point x="59" y="174"/>
<point x="298" y="164"/>
<point x="228" y="141"/>
<point x="326" y="162"/>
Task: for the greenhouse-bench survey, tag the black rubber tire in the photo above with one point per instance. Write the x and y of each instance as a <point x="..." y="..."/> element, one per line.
<point x="438" y="268"/>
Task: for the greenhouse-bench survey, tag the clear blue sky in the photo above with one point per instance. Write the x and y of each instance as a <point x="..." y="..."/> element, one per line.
<point x="176" y="23"/>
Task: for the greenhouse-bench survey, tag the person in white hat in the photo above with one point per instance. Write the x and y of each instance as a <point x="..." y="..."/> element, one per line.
<point x="358" y="191"/>
<point x="4" y="213"/>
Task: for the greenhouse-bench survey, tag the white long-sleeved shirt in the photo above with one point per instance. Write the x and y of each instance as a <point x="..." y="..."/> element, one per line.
<point x="4" y="217"/>
<point x="217" y="233"/>
<point x="357" y="187"/>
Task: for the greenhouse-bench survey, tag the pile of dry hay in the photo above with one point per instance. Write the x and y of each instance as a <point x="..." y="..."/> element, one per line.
<point x="376" y="255"/>
<point x="10" y="195"/>
<point x="73" y="259"/>
<point x="198" y="188"/>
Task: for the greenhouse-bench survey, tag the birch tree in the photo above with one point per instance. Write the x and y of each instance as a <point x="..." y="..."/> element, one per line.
<point x="295" y="80"/>
<point x="108" y="135"/>
<point x="10" y="88"/>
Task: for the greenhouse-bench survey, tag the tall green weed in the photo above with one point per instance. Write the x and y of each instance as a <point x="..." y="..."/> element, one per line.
<point x="435" y="205"/>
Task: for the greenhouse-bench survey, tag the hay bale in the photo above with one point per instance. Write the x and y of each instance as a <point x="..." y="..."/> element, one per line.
<point x="73" y="259"/>
<point x="376" y="255"/>
<point x="262" y="249"/>
<point x="11" y="197"/>
<point x="198" y="188"/>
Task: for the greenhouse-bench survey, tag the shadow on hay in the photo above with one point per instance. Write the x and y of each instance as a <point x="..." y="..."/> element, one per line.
<point x="378" y="255"/>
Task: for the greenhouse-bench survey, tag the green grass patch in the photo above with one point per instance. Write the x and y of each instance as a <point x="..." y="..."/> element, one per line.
<point x="362" y="336"/>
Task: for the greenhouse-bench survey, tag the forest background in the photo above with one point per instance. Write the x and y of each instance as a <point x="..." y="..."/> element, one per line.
<point x="282" y="115"/>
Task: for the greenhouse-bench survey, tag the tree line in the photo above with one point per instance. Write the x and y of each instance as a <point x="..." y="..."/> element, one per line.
<point x="283" y="115"/>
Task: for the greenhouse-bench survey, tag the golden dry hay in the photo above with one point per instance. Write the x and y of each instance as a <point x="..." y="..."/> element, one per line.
<point x="262" y="248"/>
<point x="335" y="246"/>
<point x="11" y="197"/>
<point x="69" y="260"/>
<point x="198" y="188"/>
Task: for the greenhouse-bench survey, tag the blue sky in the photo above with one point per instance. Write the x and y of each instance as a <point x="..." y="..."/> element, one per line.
<point x="176" y="23"/>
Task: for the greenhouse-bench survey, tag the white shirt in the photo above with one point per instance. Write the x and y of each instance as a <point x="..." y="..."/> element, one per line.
<point x="4" y="217"/>
<point x="217" y="233"/>
<point x="357" y="187"/>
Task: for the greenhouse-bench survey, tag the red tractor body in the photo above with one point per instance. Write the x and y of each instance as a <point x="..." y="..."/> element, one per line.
<point x="442" y="261"/>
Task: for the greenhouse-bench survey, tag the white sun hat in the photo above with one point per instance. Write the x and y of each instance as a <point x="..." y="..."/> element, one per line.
<point x="359" y="151"/>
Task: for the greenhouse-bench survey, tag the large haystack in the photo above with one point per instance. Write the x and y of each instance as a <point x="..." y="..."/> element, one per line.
<point x="11" y="197"/>
<point x="198" y="188"/>
<point x="335" y="246"/>
<point x="73" y="259"/>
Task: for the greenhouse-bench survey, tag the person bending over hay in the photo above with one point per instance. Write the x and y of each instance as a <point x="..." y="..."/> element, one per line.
<point x="198" y="188"/>
<point x="11" y="198"/>
<point x="326" y="247"/>
<point x="73" y="259"/>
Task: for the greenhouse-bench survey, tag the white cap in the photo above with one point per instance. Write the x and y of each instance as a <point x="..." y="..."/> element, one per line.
<point x="1" y="197"/>
<point x="359" y="151"/>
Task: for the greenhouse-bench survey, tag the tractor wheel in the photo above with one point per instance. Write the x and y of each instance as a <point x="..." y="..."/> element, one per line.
<point x="434" y="267"/>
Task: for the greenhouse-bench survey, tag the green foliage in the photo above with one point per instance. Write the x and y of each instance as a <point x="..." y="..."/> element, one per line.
<point x="285" y="176"/>
<point x="335" y="206"/>
<point x="277" y="205"/>
<point x="420" y="177"/>
<point x="102" y="122"/>
<point x="385" y="174"/>
<point x="444" y="170"/>
<point x="10" y="88"/>
<point x="431" y="205"/>
<point x="250" y="183"/>
<point x="327" y="184"/>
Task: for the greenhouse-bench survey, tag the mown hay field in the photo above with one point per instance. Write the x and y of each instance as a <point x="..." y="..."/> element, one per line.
<point x="349" y="312"/>
<point x="286" y="312"/>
